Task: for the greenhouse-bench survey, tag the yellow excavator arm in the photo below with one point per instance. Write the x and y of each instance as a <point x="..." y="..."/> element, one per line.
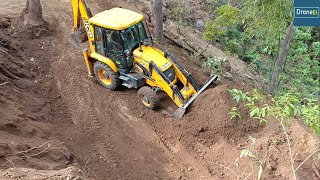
<point x="82" y="30"/>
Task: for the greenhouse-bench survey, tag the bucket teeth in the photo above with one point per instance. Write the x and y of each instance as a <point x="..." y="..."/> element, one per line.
<point x="179" y="112"/>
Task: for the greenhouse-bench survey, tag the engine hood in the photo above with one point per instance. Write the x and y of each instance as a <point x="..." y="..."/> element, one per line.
<point x="149" y="54"/>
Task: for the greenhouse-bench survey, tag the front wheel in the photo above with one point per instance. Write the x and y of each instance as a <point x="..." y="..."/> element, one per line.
<point x="147" y="97"/>
<point x="106" y="76"/>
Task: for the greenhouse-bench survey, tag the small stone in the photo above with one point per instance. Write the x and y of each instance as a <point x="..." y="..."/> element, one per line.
<point x="248" y="76"/>
<point x="141" y="114"/>
<point x="31" y="59"/>
<point x="228" y="76"/>
<point x="272" y="165"/>
<point x="202" y="129"/>
<point x="190" y="168"/>
<point x="200" y="24"/>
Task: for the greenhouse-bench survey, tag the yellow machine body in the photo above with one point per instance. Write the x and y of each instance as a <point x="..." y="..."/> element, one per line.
<point x="150" y="53"/>
<point x="116" y="18"/>
<point x="156" y="68"/>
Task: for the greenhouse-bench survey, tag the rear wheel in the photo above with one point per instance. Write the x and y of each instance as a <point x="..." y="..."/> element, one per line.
<point x="147" y="97"/>
<point x="106" y="76"/>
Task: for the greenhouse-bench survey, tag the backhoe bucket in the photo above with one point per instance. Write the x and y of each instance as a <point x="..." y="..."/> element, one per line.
<point x="181" y="110"/>
<point x="79" y="36"/>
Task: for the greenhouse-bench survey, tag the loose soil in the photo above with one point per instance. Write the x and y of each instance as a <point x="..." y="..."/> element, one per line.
<point x="32" y="174"/>
<point x="53" y="116"/>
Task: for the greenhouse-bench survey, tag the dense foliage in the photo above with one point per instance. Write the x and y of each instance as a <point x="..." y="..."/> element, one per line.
<point x="254" y="33"/>
<point x="282" y="107"/>
<point x="266" y="21"/>
<point x="180" y="11"/>
<point x="228" y="18"/>
<point x="301" y="73"/>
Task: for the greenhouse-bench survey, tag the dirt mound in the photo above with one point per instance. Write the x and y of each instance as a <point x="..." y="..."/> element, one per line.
<point x="204" y="134"/>
<point x="27" y="100"/>
<point x="207" y="141"/>
<point x="33" y="174"/>
<point x="13" y="67"/>
<point x="209" y="118"/>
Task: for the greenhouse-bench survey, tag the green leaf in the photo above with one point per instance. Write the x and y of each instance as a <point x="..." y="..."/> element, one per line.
<point x="234" y="113"/>
<point x="237" y="98"/>
<point x="263" y="112"/>
<point x="253" y="140"/>
<point x="260" y="172"/>
<point x="254" y="112"/>
<point x="249" y="99"/>
<point x="245" y="152"/>
<point x="263" y="121"/>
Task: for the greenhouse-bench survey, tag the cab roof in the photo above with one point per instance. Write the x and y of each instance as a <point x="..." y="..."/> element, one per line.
<point x="116" y="18"/>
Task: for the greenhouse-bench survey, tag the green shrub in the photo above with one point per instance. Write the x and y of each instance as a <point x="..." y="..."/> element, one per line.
<point x="227" y="18"/>
<point x="214" y="64"/>
<point x="251" y="56"/>
<point x="181" y="11"/>
<point x="212" y="5"/>
<point x="301" y="73"/>
<point x="282" y="107"/>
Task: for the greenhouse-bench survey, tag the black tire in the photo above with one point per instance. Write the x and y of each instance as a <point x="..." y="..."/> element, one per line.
<point x="106" y="76"/>
<point x="148" y="98"/>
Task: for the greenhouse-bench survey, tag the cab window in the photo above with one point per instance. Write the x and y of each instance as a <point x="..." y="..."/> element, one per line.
<point x="98" y="33"/>
<point x="114" y="47"/>
<point x="114" y="41"/>
<point x="133" y="35"/>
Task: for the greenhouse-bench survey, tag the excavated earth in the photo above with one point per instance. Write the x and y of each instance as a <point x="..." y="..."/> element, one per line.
<point x="56" y="123"/>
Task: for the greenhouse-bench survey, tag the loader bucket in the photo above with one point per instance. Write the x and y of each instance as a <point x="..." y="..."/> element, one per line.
<point x="181" y="110"/>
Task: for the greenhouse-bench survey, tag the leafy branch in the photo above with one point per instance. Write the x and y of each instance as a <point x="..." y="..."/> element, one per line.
<point x="282" y="108"/>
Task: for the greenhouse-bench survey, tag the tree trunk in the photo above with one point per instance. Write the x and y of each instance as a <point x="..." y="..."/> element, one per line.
<point x="33" y="13"/>
<point x="157" y="16"/>
<point x="282" y="55"/>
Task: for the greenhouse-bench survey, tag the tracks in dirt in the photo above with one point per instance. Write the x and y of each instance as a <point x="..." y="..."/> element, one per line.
<point x="79" y="98"/>
<point x="110" y="129"/>
<point x="105" y="133"/>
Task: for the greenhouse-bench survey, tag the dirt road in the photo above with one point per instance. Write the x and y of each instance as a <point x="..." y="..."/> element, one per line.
<point x="111" y="142"/>
<point x="111" y="125"/>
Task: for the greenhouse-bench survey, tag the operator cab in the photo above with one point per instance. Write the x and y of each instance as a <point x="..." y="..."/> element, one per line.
<point x="117" y="33"/>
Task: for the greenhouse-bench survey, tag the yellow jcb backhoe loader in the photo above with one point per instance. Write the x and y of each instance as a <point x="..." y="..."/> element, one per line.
<point x="121" y="53"/>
